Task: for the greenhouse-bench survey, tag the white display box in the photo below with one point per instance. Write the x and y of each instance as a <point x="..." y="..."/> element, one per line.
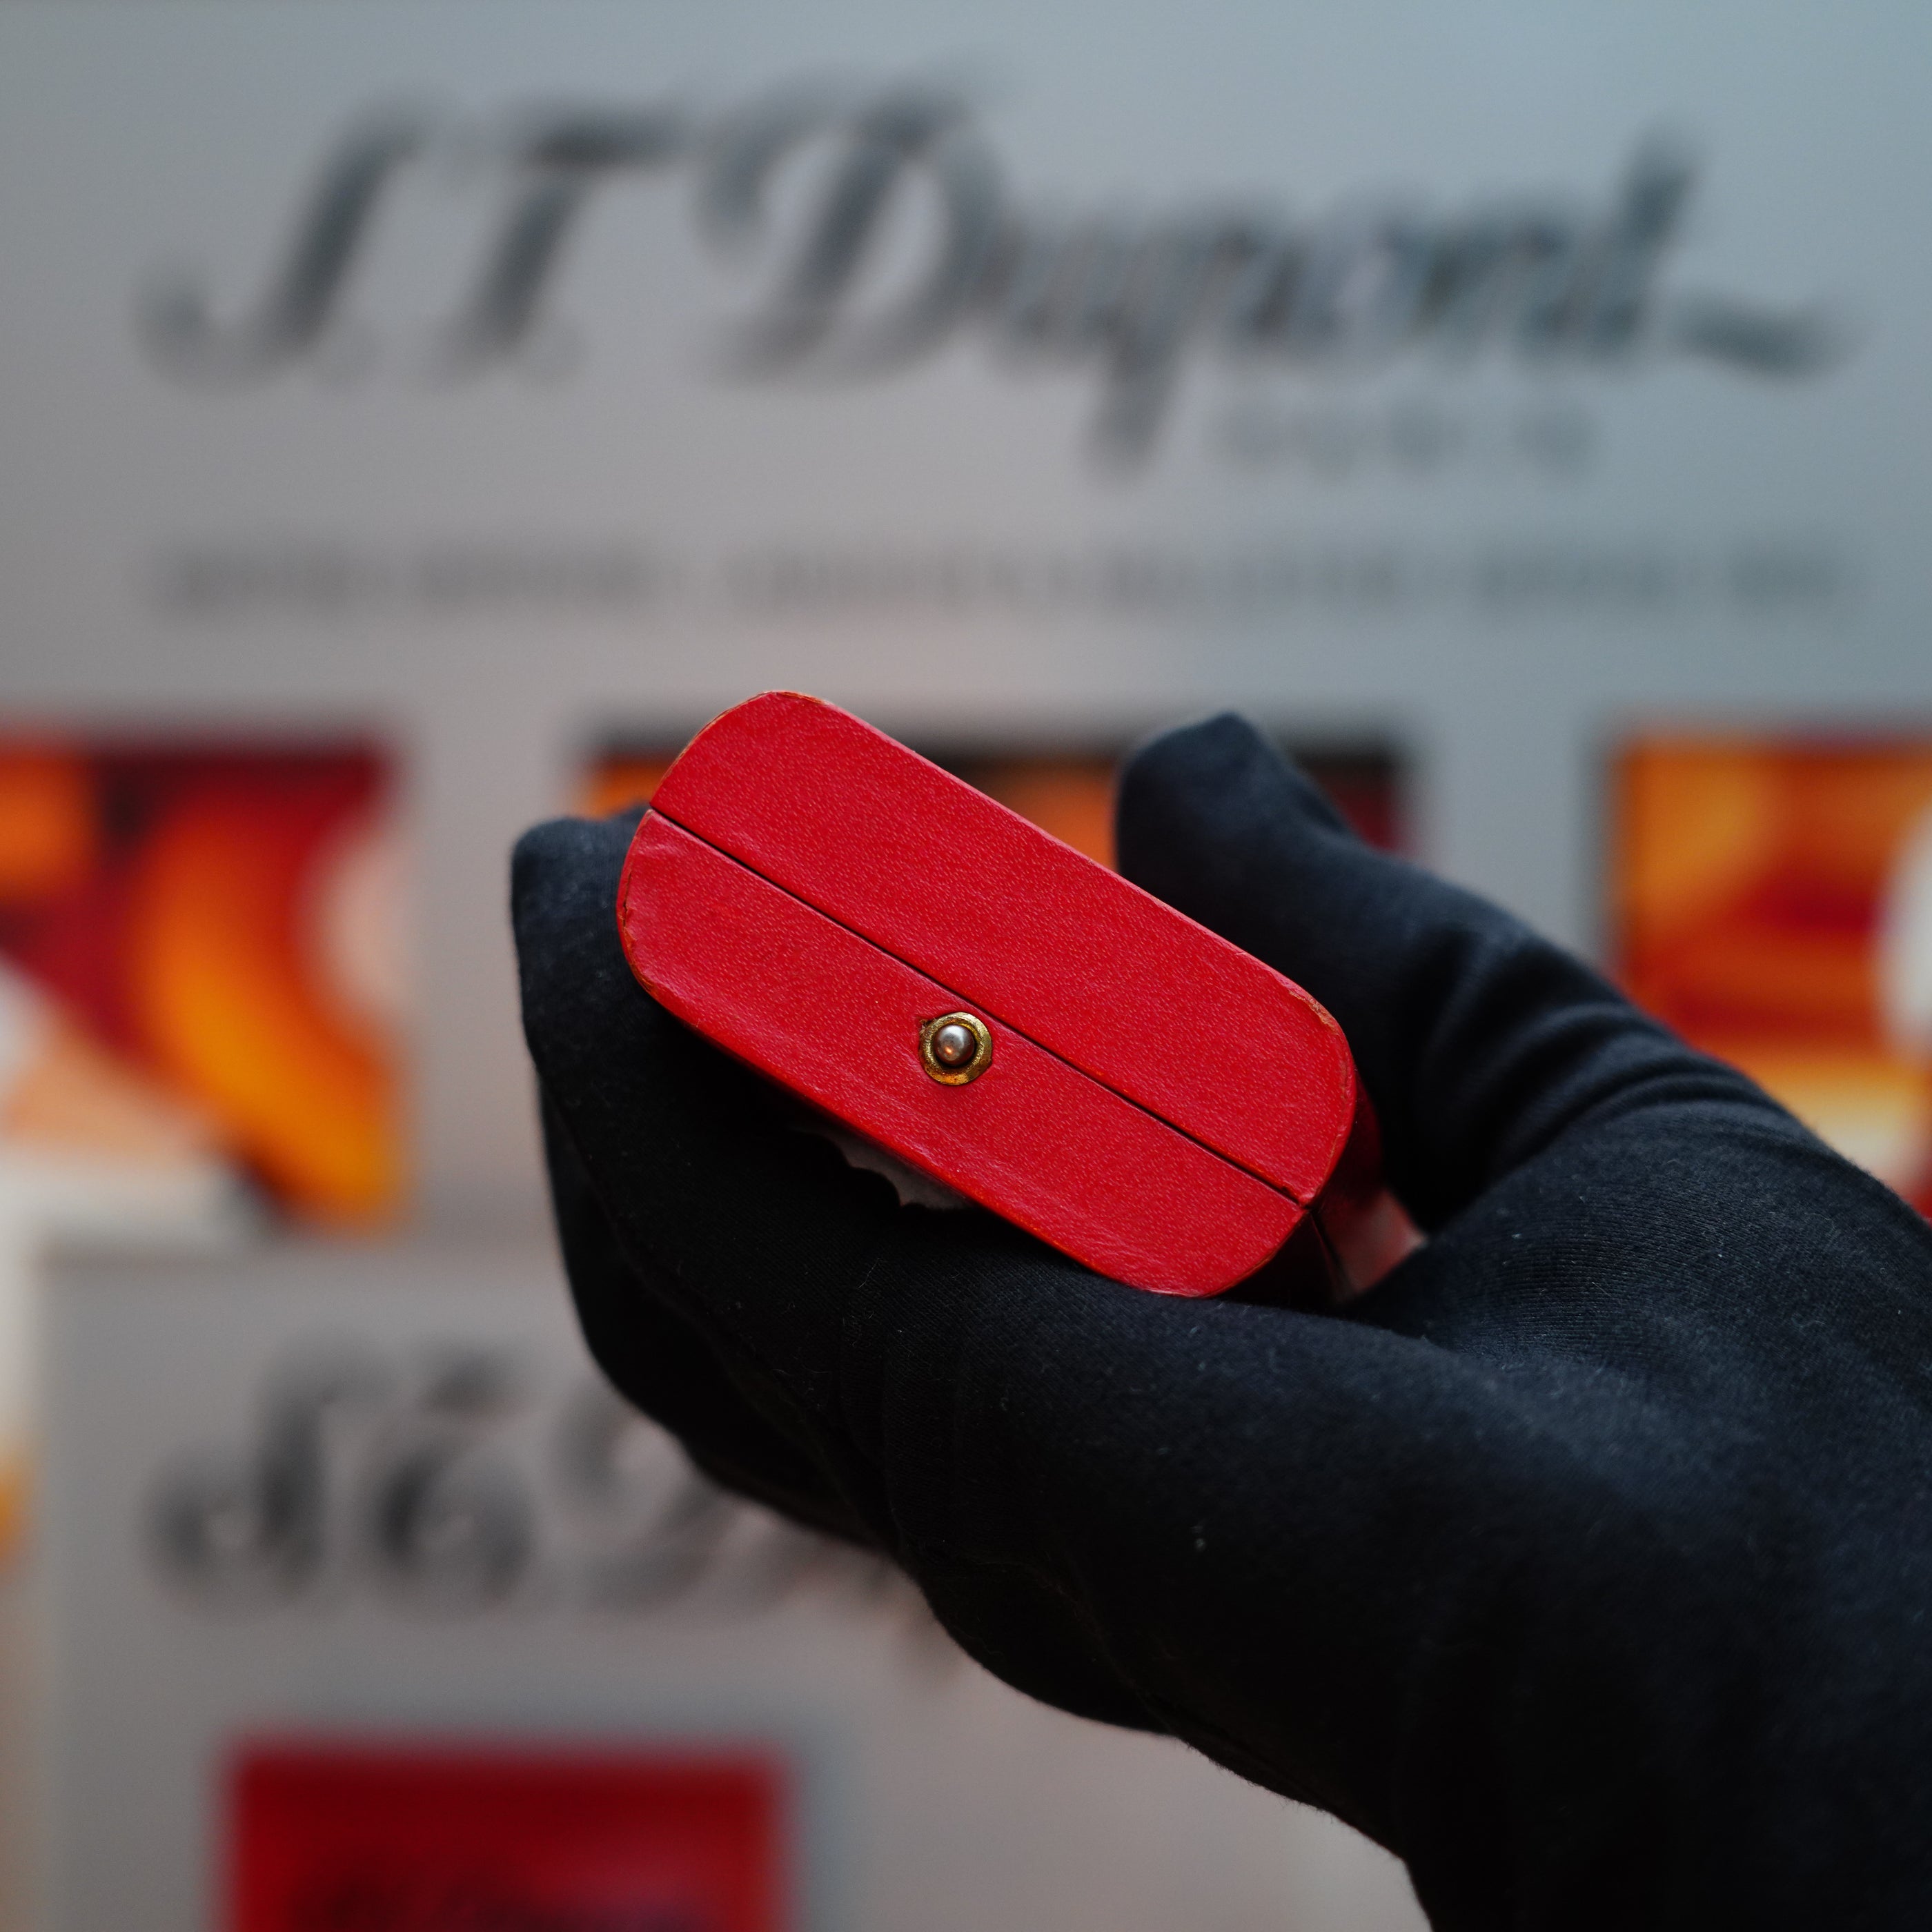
<point x="380" y="1494"/>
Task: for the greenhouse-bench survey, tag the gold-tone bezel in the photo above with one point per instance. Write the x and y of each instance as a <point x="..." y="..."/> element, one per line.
<point x="956" y="1076"/>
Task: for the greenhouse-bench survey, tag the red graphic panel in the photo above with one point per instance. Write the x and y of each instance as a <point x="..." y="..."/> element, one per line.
<point x="343" y="1839"/>
<point x="1772" y="900"/>
<point x="201" y="944"/>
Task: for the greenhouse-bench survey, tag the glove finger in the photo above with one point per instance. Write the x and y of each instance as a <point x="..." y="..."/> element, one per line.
<point x="758" y="1233"/>
<point x="1478" y="1041"/>
<point x="660" y="1364"/>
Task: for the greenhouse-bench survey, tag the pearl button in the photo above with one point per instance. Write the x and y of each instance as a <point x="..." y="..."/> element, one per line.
<point x="956" y="1049"/>
<point x="952" y="1045"/>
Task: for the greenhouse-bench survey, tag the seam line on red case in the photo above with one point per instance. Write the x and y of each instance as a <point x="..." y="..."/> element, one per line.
<point x="967" y="1000"/>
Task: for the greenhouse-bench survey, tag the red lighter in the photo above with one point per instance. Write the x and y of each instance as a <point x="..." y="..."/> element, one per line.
<point x="998" y="1011"/>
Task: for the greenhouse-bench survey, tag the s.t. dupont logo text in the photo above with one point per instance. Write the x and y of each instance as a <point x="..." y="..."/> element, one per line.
<point x="879" y="230"/>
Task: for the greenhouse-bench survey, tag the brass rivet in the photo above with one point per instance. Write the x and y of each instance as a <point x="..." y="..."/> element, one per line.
<point x="956" y="1048"/>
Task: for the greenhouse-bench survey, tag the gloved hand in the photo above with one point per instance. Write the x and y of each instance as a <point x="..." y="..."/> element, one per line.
<point x="1585" y="1562"/>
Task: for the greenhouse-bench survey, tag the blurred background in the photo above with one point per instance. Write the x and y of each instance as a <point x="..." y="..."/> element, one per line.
<point x="417" y="418"/>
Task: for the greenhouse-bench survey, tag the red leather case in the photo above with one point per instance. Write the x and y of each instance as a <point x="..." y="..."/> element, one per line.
<point x="1149" y="1099"/>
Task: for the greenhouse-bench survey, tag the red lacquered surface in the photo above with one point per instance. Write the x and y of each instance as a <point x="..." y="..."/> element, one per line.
<point x="836" y="1019"/>
<point x="1025" y="930"/>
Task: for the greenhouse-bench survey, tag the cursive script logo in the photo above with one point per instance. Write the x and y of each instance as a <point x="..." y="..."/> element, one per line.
<point x="882" y="230"/>
<point x="448" y="1480"/>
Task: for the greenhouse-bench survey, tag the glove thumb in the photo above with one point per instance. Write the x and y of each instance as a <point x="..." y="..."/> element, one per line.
<point x="1478" y="1040"/>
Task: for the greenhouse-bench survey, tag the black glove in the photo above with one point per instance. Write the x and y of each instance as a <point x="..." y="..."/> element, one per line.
<point x="1585" y="1562"/>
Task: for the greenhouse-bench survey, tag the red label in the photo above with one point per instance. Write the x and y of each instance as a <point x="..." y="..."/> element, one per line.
<point x="327" y="1839"/>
